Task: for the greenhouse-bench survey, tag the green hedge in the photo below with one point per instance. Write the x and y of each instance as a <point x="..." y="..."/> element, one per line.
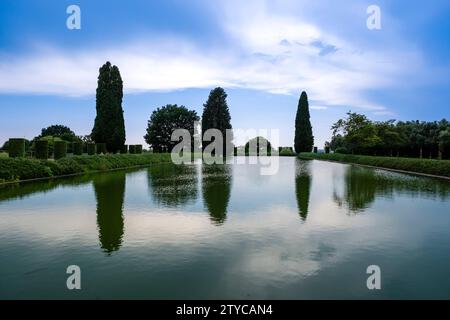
<point x="124" y="149"/>
<point x="413" y="165"/>
<point x="138" y="148"/>
<point x="90" y="149"/>
<point x="41" y="149"/>
<point x="23" y="169"/>
<point x="59" y="149"/>
<point x="16" y="148"/>
<point x="77" y="148"/>
<point x="101" y="148"/>
<point x="132" y="149"/>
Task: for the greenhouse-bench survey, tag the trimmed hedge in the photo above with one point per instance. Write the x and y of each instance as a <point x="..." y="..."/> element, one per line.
<point x="91" y="149"/>
<point x="16" y="148"/>
<point x="23" y="169"/>
<point x="132" y="149"/>
<point x="41" y="149"/>
<point x="77" y="148"/>
<point x="101" y="148"/>
<point x="124" y="149"/>
<point x="138" y="148"/>
<point x="413" y="165"/>
<point x="59" y="149"/>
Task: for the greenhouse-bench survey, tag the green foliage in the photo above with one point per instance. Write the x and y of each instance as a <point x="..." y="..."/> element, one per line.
<point x="315" y="150"/>
<point x="109" y="124"/>
<point x="101" y="148"/>
<point x="91" y="149"/>
<point x="216" y="115"/>
<point x="41" y="149"/>
<point x="164" y="121"/>
<point x="257" y="146"/>
<point x="16" y="148"/>
<point x="124" y="149"/>
<point x="427" y="166"/>
<point x="77" y="148"/>
<point x="286" y="152"/>
<point x="60" y="149"/>
<point x="138" y="148"/>
<point x="59" y="131"/>
<point x="304" y="139"/>
<point x="359" y="135"/>
<point x="16" y="169"/>
<point x="132" y="149"/>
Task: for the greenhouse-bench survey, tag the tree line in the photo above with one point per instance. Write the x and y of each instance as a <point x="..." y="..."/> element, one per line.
<point x="356" y="134"/>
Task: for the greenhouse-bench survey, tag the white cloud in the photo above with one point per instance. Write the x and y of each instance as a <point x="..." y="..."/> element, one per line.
<point x="271" y="51"/>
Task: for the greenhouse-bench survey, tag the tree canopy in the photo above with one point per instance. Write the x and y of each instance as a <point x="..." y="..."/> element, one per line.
<point x="164" y="121"/>
<point x="109" y="126"/>
<point x="304" y="139"/>
<point x="357" y="134"/>
<point x="216" y="114"/>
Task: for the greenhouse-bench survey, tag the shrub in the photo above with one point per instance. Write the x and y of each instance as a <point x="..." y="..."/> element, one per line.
<point x="101" y="148"/>
<point x="77" y="148"/>
<point x="138" y="148"/>
<point x="315" y="149"/>
<point x="60" y="149"/>
<point x="16" y="148"/>
<point x="132" y="149"/>
<point x="341" y="150"/>
<point x="124" y="149"/>
<point x="91" y="149"/>
<point x="327" y="149"/>
<point x="41" y="149"/>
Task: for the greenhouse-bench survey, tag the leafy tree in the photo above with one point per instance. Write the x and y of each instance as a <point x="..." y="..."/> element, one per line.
<point x="444" y="143"/>
<point x="358" y="131"/>
<point x="60" y="131"/>
<point x="109" y="124"/>
<point x="259" y="143"/>
<point x="216" y="114"/>
<point x="164" y="121"/>
<point x="304" y="139"/>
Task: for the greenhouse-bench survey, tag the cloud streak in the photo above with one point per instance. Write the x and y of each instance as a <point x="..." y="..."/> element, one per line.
<point x="273" y="52"/>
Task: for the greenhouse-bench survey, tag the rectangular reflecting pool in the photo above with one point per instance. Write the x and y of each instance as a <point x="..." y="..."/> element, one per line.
<point x="226" y="232"/>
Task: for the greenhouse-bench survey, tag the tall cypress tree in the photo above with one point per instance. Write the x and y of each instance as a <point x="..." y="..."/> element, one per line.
<point x="109" y="124"/>
<point x="216" y="114"/>
<point x="304" y="139"/>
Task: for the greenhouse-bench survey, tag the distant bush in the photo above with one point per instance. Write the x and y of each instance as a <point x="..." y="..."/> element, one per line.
<point x="16" y="148"/>
<point x="132" y="149"/>
<point x="341" y="150"/>
<point x="327" y="149"/>
<point x="101" y="148"/>
<point x="77" y="148"/>
<point x="60" y="149"/>
<point x="428" y="166"/>
<point x="138" y="148"/>
<point x="124" y="149"/>
<point x="286" y="152"/>
<point x="315" y="149"/>
<point x="91" y="149"/>
<point x="41" y="149"/>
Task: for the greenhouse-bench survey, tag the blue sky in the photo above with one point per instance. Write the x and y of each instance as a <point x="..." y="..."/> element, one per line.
<point x="264" y="53"/>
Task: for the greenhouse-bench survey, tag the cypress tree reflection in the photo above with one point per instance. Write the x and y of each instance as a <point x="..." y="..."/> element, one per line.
<point x="110" y="191"/>
<point x="303" y="186"/>
<point x="216" y="188"/>
<point x="173" y="185"/>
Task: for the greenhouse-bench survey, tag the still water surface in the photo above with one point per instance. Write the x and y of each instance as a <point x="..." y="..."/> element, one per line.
<point x="213" y="232"/>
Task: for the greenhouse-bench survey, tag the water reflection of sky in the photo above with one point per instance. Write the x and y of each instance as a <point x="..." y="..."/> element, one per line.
<point x="231" y="233"/>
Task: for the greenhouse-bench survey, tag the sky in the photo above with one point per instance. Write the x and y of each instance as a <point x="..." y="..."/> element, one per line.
<point x="263" y="53"/>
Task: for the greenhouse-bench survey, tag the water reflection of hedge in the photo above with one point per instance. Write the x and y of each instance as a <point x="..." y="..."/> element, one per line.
<point x="216" y="188"/>
<point x="110" y="191"/>
<point x="362" y="186"/>
<point x="23" y="190"/>
<point x="173" y="185"/>
<point x="302" y="186"/>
